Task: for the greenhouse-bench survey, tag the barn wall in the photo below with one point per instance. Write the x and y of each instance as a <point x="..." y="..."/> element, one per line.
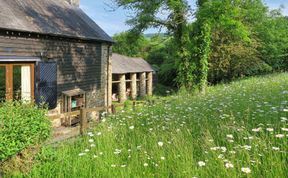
<point x="80" y="64"/>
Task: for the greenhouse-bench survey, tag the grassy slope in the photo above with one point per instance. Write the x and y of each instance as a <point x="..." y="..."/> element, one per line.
<point x="188" y="126"/>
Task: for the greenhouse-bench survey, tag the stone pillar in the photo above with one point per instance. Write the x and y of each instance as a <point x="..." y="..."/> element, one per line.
<point x="133" y="86"/>
<point x="150" y="84"/>
<point x="143" y="84"/>
<point x="122" y="88"/>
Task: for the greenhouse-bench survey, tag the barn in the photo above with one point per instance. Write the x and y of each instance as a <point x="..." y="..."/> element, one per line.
<point x="132" y="77"/>
<point x="52" y="52"/>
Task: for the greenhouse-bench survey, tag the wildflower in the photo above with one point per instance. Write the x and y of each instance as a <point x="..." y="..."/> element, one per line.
<point x="247" y="147"/>
<point x="201" y="163"/>
<point x="87" y="150"/>
<point x="280" y="136"/>
<point x="231" y="141"/>
<point x="275" y="148"/>
<point x="285" y="109"/>
<point x="214" y="148"/>
<point x="131" y="127"/>
<point x="284" y="129"/>
<point x="92" y="145"/>
<point x="101" y="153"/>
<point x="113" y="165"/>
<point x="283" y="119"/>
<point x="160" y="144"/>
<point x="117" y="151"/>
<point x="230" y="136"/>
<point x="224" y="149"/>
<point x="270" y="129"/>
<point x="90" y="134"/>
<point x="91" y="140"/>
<point x="257" y="129"/>
<point x="123" y="165"/>
<point x="82" y="154"/>
<point x="246" y="170"/>
<point x="221" y="156"/>
<point x="145" y="164"/>
<point x="229" y="165"/>
<point x="99" y="133"/>
<point x="162" y="158"/>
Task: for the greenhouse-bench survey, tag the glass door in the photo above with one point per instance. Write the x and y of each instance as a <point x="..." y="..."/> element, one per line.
<point x="17" y="82"/>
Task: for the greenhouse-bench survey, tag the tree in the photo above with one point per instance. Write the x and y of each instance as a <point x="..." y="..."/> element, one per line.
<point x="274" y="39"/>
<point x="126" y="44"/>
<point x="234" y="43"/>
<point x="175" y="21"/>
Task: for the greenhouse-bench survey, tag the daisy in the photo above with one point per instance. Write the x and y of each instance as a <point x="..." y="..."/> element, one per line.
<point x="270" y="129"/>
<point x="280" y="136"/>
<point x="229" y="165"/>
<point x="160" y="144"/>
<point x="201" y="163"/>
<point x="230" y="136"/>
<point x="257" y="129"/>
<point x="246" y="170"/>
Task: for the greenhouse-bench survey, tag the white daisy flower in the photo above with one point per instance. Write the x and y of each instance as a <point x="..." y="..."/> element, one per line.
<point x="280" y="136"/>
<point x="257" y="129"/>
<point x="230" y="136"/>
<point x="229" y="165"/>
<point x="81" y="154"/>
<point x="160" y="144"/>
<point x="270" y="129"/>
<point x="201" y="163"/>
<point x="246" y="170"/>
<point x="275" y="148"/>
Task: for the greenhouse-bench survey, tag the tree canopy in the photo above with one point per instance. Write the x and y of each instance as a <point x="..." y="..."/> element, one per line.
<point x="226" y="40"/>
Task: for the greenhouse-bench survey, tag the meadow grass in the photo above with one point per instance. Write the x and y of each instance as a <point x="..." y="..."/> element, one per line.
<point x="235" y="130"/>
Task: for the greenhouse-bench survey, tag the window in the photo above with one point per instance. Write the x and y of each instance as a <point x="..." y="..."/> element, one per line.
<point x="17" y="81"/>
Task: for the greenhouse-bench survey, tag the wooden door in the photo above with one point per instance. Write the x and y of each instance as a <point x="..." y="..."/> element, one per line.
<point x="17" y="81"/>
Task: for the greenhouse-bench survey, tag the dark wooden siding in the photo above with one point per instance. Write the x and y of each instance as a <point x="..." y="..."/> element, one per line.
<point x="80" y="63"/>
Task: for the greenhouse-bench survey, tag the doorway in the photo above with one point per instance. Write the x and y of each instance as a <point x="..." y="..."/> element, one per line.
<point x="17" y="81"/>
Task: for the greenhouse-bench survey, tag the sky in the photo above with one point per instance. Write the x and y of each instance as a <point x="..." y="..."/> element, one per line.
<point x="112" y="19"/>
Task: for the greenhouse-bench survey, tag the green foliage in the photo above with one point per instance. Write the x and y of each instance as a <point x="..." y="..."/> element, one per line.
<point x="274" y="40"/>
<point x="228" y="40"/>
<point x="21" y="125"/>
<point x="216" y="128"/>
<point x="130" y="45"/>
<point x="175" y="21"/>
<point x="234" y="44"/>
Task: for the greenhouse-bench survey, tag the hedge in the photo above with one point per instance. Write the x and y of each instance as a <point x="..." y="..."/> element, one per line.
<point x="21" y="125"/>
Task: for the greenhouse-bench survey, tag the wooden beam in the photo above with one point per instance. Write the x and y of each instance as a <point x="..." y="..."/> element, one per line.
<point x="83" y="121"/>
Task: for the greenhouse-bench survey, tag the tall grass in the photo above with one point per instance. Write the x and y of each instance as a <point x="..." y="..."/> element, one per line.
<point x="236" y="130"/>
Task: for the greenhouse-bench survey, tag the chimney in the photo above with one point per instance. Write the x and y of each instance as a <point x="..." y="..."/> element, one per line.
<point x="75" y="3"/>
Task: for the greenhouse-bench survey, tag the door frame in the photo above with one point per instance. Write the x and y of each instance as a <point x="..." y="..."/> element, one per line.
<point x="9" y="77"/>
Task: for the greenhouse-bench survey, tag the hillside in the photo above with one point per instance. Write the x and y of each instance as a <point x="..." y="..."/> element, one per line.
<point x="236" y="130"/>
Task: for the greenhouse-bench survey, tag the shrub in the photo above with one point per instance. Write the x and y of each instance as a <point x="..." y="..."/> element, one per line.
<point x="21" y="125"/>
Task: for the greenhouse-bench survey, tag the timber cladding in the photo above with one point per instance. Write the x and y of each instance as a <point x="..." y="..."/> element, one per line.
<point x="80" y="63"/>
